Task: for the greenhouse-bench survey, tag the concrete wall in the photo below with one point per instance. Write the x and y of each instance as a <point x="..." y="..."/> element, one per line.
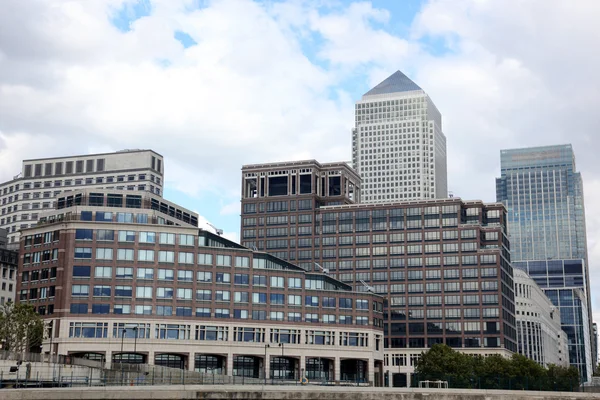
<point x="280" y="393"/>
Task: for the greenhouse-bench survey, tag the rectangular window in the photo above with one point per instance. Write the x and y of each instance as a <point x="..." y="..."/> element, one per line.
<point x="165" y="274"/>
<point x="224" y="261"/>
<point x="295" y="283"/>
<point x="146" y="255"/>
<point x="166" y="256"/>
<point x="143" y="310"/>
<point x="102" y="290"/>
<point x="204" y="276"/>
<point x="186" y="258"/>
<point x="81" y="272"/>
<point x="203" y="295"/>
<point x="184" y="294"/>
<point x="103" y="272"/>
<point x="80" y="290"/>
<point x="259" y="298"/>
<point x="205" y="259"/>
<point x="223" y="277"/>
<point x="147" y="237"/>
<point x="105" y="235"/>
<point x="126" y="236"/>
<point x="185" y="276"/>
<point x="186" y="240"/>
<point x="143" y="292"/>
<point x="104" y="253"/>
<point x="166" y="238"/>
<point x="277" y="282"/>
<point x="125" y="254"/>
<point x="145" y="273"/>
<point x="83" y="252"/>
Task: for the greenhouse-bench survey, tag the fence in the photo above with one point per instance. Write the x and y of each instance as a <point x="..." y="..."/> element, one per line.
<point x="37" y="370"/>
<point x="506" y="383"/>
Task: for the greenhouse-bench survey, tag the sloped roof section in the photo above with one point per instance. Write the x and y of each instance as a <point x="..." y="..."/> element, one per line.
<point x="397" y="82"/>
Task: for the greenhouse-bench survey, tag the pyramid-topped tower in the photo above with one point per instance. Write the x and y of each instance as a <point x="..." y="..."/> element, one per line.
<point x="398" y="146"/>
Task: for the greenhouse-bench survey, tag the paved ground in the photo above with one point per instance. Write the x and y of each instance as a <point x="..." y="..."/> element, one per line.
<point x="279" y="393"/>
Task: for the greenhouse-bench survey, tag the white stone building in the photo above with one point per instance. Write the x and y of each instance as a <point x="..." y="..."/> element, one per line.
<point x="398" y="147"/>
<point x="539" y="333"/>
<point x="40" y="180"/>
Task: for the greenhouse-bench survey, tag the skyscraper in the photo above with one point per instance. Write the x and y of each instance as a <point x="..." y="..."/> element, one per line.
<point x="398" y="147"/>
<point x="543" y="194"/>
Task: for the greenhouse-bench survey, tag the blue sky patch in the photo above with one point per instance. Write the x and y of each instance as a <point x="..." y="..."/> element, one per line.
<point x="130" y="12"/>
<point x="185" y="39"/>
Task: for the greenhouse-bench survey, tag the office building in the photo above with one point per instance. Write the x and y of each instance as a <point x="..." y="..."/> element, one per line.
<point x="128" y="277"/>
<point x="8" y="270"/>
<point x="563" y="283"/>
<point x="543" y="194"/>
<point x="539" y="333"/>
<point x="35" y="187"/>
<point x="398" y="146"/>
<point x="442" y="265"/>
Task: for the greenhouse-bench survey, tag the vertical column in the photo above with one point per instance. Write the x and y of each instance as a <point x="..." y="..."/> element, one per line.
<point x="337" y="369"/>
<point x="390" y="378"/>
<point x="229" y="365"/>
<point x="408" y="379"/>
<point x="302" y="372"/>
<point x="267" y="366"/>
<point x="266" y="185"/>
<point x="191" y="361"/>
<point x="371" y="371"/>
<point x="108" y="358"/>
<point x="150" y="357"/>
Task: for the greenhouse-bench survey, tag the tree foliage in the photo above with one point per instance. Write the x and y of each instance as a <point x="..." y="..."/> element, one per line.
<point x="21" y="328"/>
<point x="461" y="370"/>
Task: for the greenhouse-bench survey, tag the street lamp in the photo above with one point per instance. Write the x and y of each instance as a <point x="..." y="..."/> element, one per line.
<point x="122" y="338"/>
<point x="282" y="361"/>
<point x="135" y="331"/>
<point x="122" y="372"/>
<point x="265" y="366"/>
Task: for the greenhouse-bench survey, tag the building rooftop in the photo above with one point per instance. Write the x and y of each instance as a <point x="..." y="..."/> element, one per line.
<point x="537" y="156"/>
<point x="118" y="152"/>
<point x="395" y="83"/>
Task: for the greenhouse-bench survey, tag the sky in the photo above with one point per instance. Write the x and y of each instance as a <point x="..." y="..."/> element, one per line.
<point x="215" y="84"/>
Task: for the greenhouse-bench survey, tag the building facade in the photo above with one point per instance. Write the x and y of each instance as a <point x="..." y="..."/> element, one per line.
<point x="543" y="194"/>
<point x="35" y="187"/>
<point x="398" y="146"/>
<point x="563" y="283"/>
<point x="8" y="269"/>
<point x="442" y="265"/>
<point x="539" y="333"/>
<point x="128" y="277"/>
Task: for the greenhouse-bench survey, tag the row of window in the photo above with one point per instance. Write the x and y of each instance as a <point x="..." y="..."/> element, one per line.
<point x="446" y="313"/>
<point x="185" y="311"/>
<point x="100" y="330"/>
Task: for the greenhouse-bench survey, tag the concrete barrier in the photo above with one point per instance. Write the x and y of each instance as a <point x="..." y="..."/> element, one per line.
<point x="279" y="393"/>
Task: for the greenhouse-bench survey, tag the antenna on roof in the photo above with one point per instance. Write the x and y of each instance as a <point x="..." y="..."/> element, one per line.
<point x="450" y="194"/>
<point x="254" y="248"/>
<point x="217" y="230"/>
<point x="367" y="287"/>
<point x="325" y="270"/>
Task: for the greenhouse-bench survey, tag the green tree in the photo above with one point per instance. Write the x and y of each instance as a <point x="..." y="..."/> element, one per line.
<point x="563" y="379"/>
<point x="492" y="372"/>
<point x="21" y="328"/>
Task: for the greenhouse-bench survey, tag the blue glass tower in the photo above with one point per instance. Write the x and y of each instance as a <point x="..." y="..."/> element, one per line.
<point x="543" y="194"/>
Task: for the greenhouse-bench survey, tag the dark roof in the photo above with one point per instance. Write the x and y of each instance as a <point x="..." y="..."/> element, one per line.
<point x="397" y="82"/>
